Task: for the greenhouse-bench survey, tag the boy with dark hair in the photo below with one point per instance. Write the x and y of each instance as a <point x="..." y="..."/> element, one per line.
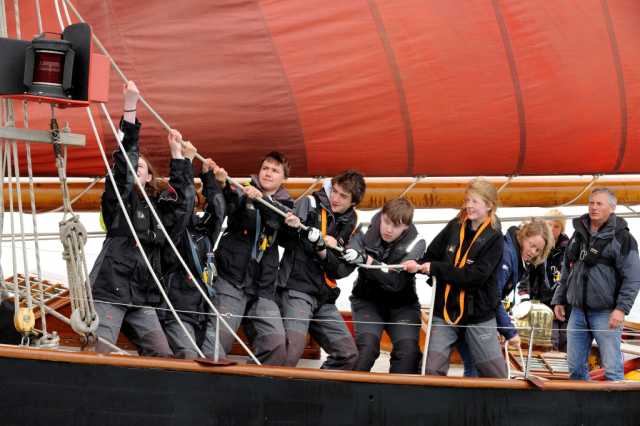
<point x="309" y="269"/>
<point x="247" y="261"/>
<point x="277" y="158"/>
<point x="386" y="299"/>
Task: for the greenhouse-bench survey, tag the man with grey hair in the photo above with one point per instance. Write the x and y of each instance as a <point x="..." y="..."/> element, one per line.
<point x="600" y="280"/>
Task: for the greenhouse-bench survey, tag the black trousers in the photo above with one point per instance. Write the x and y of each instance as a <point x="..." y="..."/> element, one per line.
<point x="401" y="323"/>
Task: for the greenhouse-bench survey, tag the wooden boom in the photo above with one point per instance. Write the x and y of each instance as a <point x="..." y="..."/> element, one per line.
<point x="426" y="193"/>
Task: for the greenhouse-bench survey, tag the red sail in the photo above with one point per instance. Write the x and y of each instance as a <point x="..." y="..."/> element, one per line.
<point x="393" y="88"/>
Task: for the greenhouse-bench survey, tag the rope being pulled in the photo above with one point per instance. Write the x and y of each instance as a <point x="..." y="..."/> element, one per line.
<point x="167" y="237"/>
<point x="124" y="210"/>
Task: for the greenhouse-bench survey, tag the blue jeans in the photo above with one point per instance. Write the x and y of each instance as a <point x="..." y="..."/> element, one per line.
<point x="579" y="340"/>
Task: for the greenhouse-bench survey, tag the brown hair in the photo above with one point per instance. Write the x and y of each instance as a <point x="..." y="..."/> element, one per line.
<point x="537" y="227"/>
<point x="353" y="182"/>
<point x="485" y="190"/>
<point x="155" y="185"/>
<point x="399" y="211"/>
<point x="279" y="158"/>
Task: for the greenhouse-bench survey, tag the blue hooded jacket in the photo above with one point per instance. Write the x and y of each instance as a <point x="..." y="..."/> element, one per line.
<point x="508" y="276"/>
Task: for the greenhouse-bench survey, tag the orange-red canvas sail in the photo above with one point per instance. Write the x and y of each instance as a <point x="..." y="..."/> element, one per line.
<point x="392" y="88"/>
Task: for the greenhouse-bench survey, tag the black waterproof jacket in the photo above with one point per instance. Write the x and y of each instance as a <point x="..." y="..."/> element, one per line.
<point x="247" y="255"/>
<point x="544" y="278"/>
<point x="301" y="267"/>
<point x="477" y="278"/>
<point x="391" y="288"/>
<point x="120" y="274"/>
<point x="195" y="237"/>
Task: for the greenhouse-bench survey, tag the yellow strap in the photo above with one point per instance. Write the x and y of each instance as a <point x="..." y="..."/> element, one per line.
<point x="264" y="244"/>
<point x="460" y="263"/>
<point x="103" y="226"/>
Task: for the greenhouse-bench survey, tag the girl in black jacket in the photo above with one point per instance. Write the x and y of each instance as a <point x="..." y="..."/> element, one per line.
<point x="123" y="288"/>
<point x="546" y="276"/>
<point x="464" y="258"/>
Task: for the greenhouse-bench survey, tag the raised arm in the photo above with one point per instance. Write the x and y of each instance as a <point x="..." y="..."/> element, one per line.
<point x="214" y="211"/>
<point x="129" y="130"/>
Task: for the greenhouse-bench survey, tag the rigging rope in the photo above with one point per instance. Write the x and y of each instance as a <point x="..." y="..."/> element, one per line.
<point x="310" y="188"/>
<point x="412" y="185"/>
<point x="84" y="318"/>
<point x="586" y="188"/>
<point x="79" y="195"/>
<point x="39" y="16"/>
<point x="20" y="326"/>
<point x="16" y="163"/>
<point x="350" y="321"/>
<point x="27" y="318"/>
<point x="507" y="182"/>
<point x="23" y="319"/>
<point x="25" y="111"/>
<point x="46" y="337"/>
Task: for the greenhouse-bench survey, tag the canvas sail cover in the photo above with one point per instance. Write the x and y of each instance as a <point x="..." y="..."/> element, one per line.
<point x="392" y="88"/>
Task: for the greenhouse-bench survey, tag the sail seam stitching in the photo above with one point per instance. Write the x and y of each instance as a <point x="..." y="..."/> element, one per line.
<point x="622" y="91"/>
<point x="397" y="80"/>
<point x="515" y="79"/>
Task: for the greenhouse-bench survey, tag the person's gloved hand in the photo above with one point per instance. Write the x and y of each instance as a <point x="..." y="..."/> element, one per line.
<point x="353" y="256"/>
<point x="315" y="237"/>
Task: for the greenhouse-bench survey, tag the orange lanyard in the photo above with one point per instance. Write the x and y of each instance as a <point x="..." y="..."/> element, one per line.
<point x="460" y="263"/>
<point x="323" y="228"/>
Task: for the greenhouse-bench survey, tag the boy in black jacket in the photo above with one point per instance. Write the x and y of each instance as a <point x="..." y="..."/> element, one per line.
<point x="309" y="269"/>
<point x="247" y="261"/>
<point x="387" y="300"/>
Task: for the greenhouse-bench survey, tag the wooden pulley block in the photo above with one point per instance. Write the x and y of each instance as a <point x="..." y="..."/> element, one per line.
<point x="24" y="320"/>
